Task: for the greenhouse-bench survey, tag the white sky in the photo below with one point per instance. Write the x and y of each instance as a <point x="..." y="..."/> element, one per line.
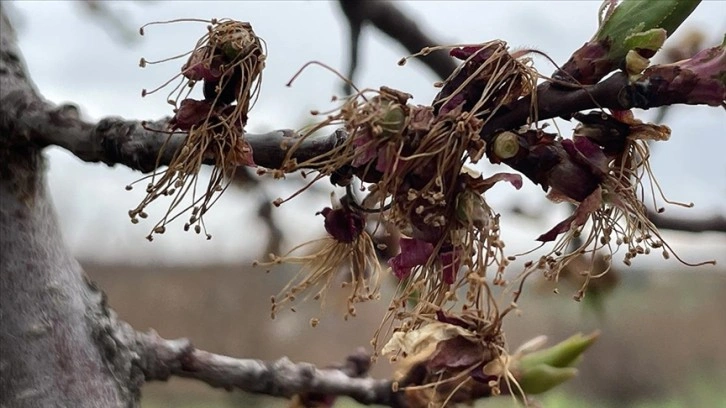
<point x="74" y="58"/>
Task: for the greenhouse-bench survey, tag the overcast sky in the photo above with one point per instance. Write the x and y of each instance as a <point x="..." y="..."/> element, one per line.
<point x="73" y="57"/>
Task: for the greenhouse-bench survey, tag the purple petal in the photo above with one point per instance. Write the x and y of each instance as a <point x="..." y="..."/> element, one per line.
<point x="589" y="205"/>
<point x="513" y="179"/>
<point x="414" y="252"/>
<point x="191" y="112"/>
<point x="342" y="224"/>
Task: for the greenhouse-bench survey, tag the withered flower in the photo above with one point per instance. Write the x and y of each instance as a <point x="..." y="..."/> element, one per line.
<point x="348" y="247"/>
<point x="442" y="361"/>
<point x="228" y="60"/>
<point x="612" y="150"/>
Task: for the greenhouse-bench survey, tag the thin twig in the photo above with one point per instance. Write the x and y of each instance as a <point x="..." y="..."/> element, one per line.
<point x="162" y="359"/>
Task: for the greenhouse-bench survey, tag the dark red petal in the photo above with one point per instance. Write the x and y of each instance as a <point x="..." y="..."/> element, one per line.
<point x="562" y="226"/>
<point x="589" y="205"/>
<point x="481" y="185"/>
<point x="443" y="318"/>
<point x="587" y="152"/>
<point x="365" y="149"/>
<point x="342" y="224"/>
<point x="414" y="252"/>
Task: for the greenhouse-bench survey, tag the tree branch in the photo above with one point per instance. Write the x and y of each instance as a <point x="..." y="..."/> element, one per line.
<point x="146" y="146"/>
<point x="161" y="359"/>
<point x="616" y="92"/>
<point x="138" y="145"/>
<point x="386" y="17"/>
<point x="715" y="223"/>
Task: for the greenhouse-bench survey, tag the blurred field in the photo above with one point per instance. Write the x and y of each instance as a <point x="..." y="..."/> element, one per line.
<point x="662" y="341"/>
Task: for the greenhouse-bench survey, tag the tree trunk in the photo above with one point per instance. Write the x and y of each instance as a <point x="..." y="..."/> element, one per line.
<point x="57" y="345"/>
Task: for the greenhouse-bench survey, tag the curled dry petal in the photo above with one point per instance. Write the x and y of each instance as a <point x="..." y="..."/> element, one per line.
<point x="452" y="319"/>
<point x="457" y="353"/>
<point x="243" y="154"/>
<point x="483" y="185"/>
<point x="477" y="53"/>
<point x="365" y="148"/>
<point x="416" y="341"/>
<point x="191" y="112"/>
<point x="578" y="218"/>
<point x="421" y="118"/>
<point x="471" y="77"/>
<point x="203" y="66"/>
<point x="386" y="161"/>
<point x="585" y="152"/>
<point x="637" y="130"/>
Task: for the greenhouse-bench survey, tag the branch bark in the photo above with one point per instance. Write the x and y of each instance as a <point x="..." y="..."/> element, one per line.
<point x="145" y="146"/>
<point x="55" y="348"/>
<point x="616" y="93"/>
<point x="280" y="378"/>
<point x="716" y="223"/>
<point x="140" y="145"/>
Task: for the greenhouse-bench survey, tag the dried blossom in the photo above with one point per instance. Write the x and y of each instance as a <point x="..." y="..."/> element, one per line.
<point x="228" y="60"/>
<point x="348" y="248"/>
<point x="442" y="361"/>
<point x="613" y="150"/>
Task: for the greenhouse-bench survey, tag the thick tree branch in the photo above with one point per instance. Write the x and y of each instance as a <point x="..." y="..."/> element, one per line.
<point x="161" y="359"/>
<point x="616" y="92"/>
<point x="117" y="141"/>
<point x="138" y="145"/>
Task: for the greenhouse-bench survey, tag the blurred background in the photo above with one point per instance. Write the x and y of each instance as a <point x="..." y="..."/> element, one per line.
<point x="662" y="323"/>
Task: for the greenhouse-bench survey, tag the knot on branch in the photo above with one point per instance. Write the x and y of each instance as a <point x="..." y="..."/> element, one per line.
<point x="159" y="358"/>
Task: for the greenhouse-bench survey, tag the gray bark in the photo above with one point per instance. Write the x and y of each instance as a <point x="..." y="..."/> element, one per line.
<point x="56" y="348"/>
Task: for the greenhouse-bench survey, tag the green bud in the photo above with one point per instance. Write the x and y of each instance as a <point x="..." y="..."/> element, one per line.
<point x="635" y="64"/>
<point x="541" y="378"/>
<point x="471" y="207"/>
<point x="650" y="40"/>
<point x="563" y="354"/>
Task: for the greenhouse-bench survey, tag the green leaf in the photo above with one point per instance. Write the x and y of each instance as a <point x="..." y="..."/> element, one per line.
<point x="648" y="40"/>
<point x="634" y="24"/>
